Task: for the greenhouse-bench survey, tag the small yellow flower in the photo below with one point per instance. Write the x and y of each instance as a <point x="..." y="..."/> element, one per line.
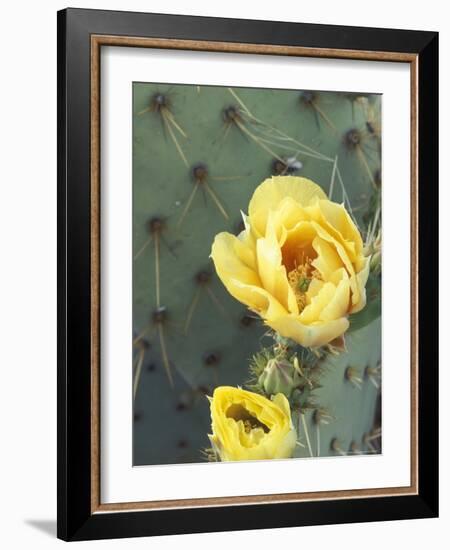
<point x="248" y="426"/>
<point x="299" y="263"/>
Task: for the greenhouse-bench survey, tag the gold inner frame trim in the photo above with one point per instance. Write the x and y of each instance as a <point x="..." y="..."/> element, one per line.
<point x="97" y="41"/>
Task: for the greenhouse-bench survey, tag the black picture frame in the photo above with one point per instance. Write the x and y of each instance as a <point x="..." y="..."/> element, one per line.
<point x="76" y="521"/>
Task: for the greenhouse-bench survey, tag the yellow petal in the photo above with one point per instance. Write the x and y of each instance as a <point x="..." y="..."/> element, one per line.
<point x="271" y="192"/>
<point x="328" y="260"/>
<point x="339" y="219"/>
<point x="246" y="236"/>
<point x="315" y="335"/>
<point x="289" y="212"/>
<point x="340" y="249"/>
<point x="281" y="401"/>
<point x="245" y="249"/>
<point x="232" y="267"/>
<point x="339" y="303"/>
<point x="313" y="310"/>
<point x="286" y="446"/>
<point x="218" y="404"/>
<point x="272" y="272"/>
<point x="314" y="288"/>
<point x="336" y="221"/>
<point x="361" y="279"/>
<point x="255" y="298"/>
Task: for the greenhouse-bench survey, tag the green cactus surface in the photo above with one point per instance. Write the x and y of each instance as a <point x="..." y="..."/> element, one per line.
<point x="198" y="155"/>
<point x="346" y="411"/>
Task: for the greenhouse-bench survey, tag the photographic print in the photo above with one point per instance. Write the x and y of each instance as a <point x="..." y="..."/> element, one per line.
<point x="227" y="296"/>
<point x="256" y="274"/>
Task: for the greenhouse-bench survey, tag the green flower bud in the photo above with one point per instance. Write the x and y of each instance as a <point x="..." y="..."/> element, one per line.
<point x="373" y="249"/>
<point x="375" y="262"/>
<point x="280" y="376"/>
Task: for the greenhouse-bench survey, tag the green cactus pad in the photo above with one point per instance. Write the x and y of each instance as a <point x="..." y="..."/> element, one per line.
<point x="184" y="139"/>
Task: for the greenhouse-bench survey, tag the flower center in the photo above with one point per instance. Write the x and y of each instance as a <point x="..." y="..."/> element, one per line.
<point x="300" y="278"/>
<point x="239" y="413"/>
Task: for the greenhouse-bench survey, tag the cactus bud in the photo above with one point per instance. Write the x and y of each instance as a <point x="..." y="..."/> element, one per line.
<point x="373" y="249"/>
<point x="279" y="376"/>
<point x="375" y="263"/>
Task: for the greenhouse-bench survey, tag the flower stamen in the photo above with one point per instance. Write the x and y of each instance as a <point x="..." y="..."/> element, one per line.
<point x="240" y="414"/>
<point x="300" y="279"/>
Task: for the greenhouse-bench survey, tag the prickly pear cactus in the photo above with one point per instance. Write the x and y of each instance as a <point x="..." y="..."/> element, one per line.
<point x="198" y="155"/>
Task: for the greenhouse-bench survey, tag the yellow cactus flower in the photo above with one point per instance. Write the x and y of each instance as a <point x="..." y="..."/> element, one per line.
<point x="299" y="263"/>
<point x="248" y="426"/>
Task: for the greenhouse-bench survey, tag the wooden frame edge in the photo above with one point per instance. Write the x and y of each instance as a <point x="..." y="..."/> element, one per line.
<point x="236" y="47"/>
<point x="213" y="46"/>
<point x="254" y="499"/>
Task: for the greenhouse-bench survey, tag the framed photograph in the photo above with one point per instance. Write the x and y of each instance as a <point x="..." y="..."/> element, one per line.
<point x="248" y="298"/>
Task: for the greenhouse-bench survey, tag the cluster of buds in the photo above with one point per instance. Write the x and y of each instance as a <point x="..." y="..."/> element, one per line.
<point x="285" y="368"/>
